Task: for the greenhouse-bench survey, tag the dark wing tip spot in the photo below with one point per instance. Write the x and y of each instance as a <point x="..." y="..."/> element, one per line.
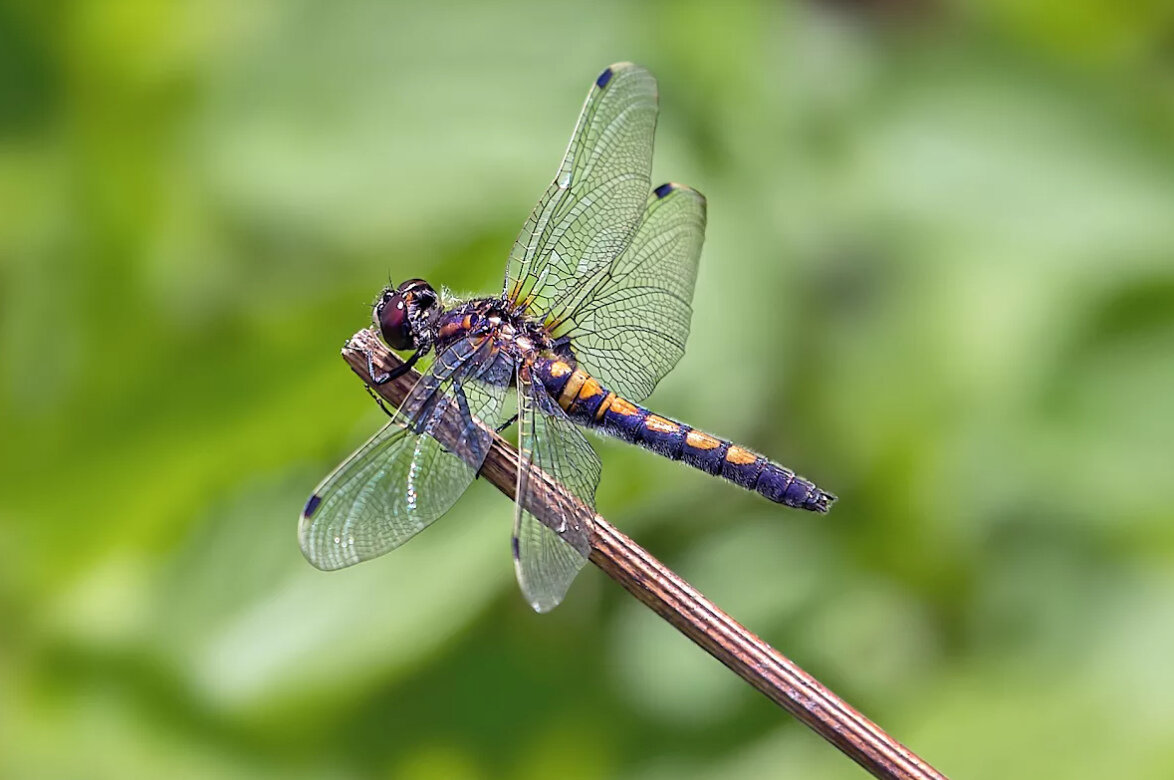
<point x="604" y="78"/>
<point x="311" y="505"/>
<point x="664" y="189"/>
<point x="516" y="547"/>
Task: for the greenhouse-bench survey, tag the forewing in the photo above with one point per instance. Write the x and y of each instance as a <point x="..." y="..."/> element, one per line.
<point x="546" y="562"/>
<point x="631" y="329"/>
<point x="403" y="478"/>
<point x="589" y="213"/>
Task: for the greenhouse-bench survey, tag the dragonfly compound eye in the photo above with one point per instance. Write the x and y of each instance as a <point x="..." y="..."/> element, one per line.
<point x="391" y="316"/>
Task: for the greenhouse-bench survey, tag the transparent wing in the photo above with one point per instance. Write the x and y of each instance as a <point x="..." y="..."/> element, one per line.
<point x="404" y="478"/>
<point x="546" y="562"/>
<point x="631" y="328"/>
<point x="589" y="213"/>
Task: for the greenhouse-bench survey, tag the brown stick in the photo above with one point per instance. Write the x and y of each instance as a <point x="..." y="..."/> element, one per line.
<point x="656" y="586"/>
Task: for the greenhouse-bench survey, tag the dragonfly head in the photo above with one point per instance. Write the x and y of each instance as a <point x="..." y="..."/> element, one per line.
<point x="404" y="314"/>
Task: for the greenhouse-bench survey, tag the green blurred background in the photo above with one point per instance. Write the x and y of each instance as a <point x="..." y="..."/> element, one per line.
<point x="939" y="279"/>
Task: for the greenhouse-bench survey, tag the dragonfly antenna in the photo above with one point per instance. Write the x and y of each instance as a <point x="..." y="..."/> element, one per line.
<point x="665" y="593"/>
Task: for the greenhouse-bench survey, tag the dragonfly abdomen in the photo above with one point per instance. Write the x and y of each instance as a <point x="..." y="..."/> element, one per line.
<point x="589" y="403"/>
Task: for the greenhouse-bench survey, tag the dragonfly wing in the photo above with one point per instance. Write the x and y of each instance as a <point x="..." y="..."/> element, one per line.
<point x="403" y="478"/>
<point x="547" y="561"/>
<point x="630" y="329"/>
<point x="589" y="213"/>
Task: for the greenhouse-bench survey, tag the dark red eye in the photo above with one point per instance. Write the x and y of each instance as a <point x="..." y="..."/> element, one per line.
<point x="393" y="323"/>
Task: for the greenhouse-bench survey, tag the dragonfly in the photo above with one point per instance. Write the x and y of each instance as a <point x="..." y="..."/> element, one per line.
<point x="595" y="309"/>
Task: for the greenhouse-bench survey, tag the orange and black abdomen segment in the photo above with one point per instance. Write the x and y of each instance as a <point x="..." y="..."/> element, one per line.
<point x="588" y="403"/>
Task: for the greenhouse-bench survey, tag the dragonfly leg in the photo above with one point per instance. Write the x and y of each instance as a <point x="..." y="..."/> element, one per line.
<point x="386" y="376"/>
<point x="467" y="416"/>
<point x="463" y="408"/>
<point x="507" y="423"/>
<point x="379" y="378"/>
<point x="379" y="401"/>
<point x="462" y="401"/>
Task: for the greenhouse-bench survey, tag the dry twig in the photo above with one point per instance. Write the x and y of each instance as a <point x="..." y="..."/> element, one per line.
<point x="656" y="586"/>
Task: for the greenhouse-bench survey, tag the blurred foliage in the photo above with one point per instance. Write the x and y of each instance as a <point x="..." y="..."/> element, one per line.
<point x="938" y="280"/>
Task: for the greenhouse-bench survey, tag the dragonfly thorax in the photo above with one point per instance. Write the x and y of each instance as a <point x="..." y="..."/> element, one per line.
<point x="511" y="331"/>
